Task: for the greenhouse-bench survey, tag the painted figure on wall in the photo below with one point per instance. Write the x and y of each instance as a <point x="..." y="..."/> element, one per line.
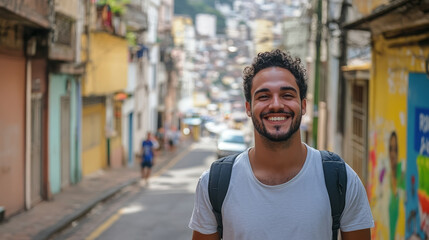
<point x="396" y="183"/>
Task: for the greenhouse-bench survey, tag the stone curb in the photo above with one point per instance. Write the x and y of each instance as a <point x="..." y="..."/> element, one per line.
<point x="67" y="220"/>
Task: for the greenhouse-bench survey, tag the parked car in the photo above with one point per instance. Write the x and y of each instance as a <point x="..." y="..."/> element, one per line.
<point x="230" y="141"/>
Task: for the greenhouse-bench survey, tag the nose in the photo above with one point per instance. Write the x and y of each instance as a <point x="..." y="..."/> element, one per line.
<point x="276" y="103"/>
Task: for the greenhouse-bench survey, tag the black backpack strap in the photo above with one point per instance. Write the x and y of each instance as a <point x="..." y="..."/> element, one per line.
<point x="335" y="173"/>
<point x="220" y="174"/>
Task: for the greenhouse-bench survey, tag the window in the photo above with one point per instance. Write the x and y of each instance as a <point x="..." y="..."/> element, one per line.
<point x="154" y="76"/>
<point x="139" y="120"/>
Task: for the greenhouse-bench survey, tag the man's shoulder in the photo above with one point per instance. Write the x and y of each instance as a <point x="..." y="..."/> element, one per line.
<point x="238" y="160"/>
<point x="204" y="178"/>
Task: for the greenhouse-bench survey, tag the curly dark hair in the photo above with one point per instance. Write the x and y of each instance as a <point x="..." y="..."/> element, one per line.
<point x="275" y="58"/>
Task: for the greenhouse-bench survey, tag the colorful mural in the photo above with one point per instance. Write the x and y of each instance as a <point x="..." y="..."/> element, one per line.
<point x="417" y="206"/>
<point x="386" y="190"/>
<point x="398" y="168"/>
<point x="388" y="150"/>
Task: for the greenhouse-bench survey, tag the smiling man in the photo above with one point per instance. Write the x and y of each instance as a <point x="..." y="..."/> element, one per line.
<point x="277" y="188"/>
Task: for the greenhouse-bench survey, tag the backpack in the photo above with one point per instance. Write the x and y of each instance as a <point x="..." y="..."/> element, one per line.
<point x="334" y="170"/>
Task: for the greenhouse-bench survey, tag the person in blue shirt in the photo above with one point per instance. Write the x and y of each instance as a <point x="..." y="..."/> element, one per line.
<point x="147" y="160"/>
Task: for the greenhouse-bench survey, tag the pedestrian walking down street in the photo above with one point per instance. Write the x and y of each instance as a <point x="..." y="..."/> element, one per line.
<point x="160" y="136"/>
<point x="148" y="157"/>
<point x="277" y="187"/>
<point x="173" y="138"/>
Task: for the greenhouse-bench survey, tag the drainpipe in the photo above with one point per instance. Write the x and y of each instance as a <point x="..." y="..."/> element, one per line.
<point x="28" y="136"/>
<point x="317" y="73"/>
<point x="342" y="62"/>
<point x="30" y="51"/>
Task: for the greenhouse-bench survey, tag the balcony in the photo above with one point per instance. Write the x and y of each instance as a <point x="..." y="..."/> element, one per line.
<point x="32" y="12"/>
<point x="63" y="38"/>
<point x="108" y="21"/>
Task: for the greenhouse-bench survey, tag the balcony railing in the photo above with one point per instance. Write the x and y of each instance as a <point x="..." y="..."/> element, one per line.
<point x="109" y="22"/>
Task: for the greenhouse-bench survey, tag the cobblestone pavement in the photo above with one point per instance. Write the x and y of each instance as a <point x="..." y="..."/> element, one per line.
<point x="45" y="218"/>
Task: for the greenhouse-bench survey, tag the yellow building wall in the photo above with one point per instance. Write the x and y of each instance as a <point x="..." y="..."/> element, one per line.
<point x="178" y="29"/>
<point x="263" y="37"/>
<point x="392" y="60"/>
<point x="116" y="149"/>
<point x="94" y="149"/>
<point x="107" y="68"/>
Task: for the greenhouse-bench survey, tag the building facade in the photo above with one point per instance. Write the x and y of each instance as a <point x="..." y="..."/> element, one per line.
<point x="398" y="110"/>
<point x="105" y="54"/>
<point x="23" y="60"/>
<point x="64" y="97"/>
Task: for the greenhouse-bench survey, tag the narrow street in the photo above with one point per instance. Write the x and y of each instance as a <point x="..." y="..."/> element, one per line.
<point x="158" y="211"/>
<point x="88" y="87"/>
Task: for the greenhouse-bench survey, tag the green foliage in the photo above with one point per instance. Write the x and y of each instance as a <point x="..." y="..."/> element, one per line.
<point x="117" y="6"/>
<point x="131" y="39"/>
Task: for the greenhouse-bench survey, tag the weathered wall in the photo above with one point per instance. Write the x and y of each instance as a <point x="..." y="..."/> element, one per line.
<point x="58" y="89"/>
<point x="94" y="155"/>
<point x="36" y="11"/>
<point x="12" y="129"/>
<point x="393" y="177"/>
<point x="366" y="7"/>
<point x="67" y="7"/>
<point x="108" y="67"/>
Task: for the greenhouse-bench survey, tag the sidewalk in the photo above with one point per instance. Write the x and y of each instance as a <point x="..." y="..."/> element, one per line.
<point x="49" y="217"/>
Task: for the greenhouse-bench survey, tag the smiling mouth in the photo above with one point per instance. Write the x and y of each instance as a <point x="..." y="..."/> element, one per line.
<point x="276" y="119"/>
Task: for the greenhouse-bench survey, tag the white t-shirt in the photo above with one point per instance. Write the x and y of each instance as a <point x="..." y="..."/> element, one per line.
<point x="297" y="209"/>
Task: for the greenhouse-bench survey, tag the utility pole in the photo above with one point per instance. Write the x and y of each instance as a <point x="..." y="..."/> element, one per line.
<point x="317" y="73"/>
<point x="342" y="62"/>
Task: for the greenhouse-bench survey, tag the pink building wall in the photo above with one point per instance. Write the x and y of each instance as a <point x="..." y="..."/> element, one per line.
<point x="12" y="129"/>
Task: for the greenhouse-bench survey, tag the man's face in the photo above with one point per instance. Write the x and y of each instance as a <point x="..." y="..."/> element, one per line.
<point x="276" y="107"/>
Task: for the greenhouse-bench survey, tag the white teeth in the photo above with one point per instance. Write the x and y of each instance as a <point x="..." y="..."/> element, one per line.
<point x="276" y="118"/>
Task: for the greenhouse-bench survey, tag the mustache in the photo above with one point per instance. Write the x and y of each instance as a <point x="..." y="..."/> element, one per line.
<point x="263" y="114"/>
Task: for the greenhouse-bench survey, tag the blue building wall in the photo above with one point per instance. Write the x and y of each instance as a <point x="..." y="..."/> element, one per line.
<point x="57" y="89"/>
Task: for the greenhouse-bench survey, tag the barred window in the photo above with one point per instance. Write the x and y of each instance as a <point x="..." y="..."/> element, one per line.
<point x="63" y="29"/>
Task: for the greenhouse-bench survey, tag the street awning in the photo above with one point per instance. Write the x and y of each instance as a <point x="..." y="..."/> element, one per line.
<point x="120" y="96"/>
<point x="192" y="121"/>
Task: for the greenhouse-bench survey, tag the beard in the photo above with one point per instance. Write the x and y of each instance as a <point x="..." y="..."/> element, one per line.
<point x="278" y="136"/>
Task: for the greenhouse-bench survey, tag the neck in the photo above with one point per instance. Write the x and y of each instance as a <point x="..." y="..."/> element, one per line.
<point x="278" y="156"/>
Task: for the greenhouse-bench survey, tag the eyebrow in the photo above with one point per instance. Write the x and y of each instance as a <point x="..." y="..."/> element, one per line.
<point x="282" y="89"/>
<point x="288" y="89"/>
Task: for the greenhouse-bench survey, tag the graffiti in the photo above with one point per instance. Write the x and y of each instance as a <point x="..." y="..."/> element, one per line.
<point x="397" y="80"/>
<point x="423" y="132"/>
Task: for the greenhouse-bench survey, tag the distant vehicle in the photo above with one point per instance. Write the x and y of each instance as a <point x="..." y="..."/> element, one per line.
<point x="215" y="128"/>
<point x="230" y="141"/>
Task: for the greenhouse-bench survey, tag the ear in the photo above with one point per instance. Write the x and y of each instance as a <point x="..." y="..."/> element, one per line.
<point x="248" y="109"/>
<point x="303" y="106"/>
